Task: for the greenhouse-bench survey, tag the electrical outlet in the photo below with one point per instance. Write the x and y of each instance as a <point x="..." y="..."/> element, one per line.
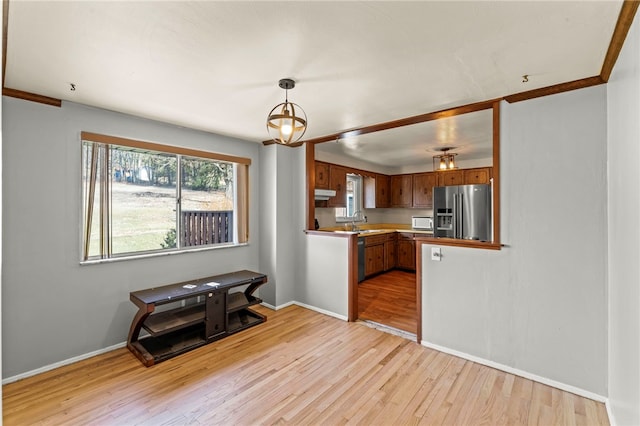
<point x="436" y="254"/>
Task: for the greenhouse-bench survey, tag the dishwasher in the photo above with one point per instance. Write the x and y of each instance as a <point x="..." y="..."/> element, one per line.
<point x="360" y="259"/>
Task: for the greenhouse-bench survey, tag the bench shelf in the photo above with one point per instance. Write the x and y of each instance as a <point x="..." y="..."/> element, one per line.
<point x="199" y="312"/>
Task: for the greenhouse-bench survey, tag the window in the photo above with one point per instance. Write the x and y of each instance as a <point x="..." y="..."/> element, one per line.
<point x="139" y="198"/>
<point x="354" y="199"/>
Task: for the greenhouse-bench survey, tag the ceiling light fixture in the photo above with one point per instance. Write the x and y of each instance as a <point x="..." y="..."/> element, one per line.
<point x="287" y="121"/>
<point x="444" y="161"/>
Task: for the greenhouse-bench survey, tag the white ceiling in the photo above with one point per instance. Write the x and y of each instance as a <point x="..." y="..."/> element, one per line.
<point x="215" y="65"/>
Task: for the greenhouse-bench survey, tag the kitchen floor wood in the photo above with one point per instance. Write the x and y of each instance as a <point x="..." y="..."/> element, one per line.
<point x="389" y="299"/>
<point x="301" y="368"/>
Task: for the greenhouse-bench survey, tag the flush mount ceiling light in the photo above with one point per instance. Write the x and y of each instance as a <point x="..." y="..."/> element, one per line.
<point x="287" y="121"/>
<point x="444" y="161"/>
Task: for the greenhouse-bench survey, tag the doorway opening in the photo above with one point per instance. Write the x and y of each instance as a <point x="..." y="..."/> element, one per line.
<point x="390" y="300"/>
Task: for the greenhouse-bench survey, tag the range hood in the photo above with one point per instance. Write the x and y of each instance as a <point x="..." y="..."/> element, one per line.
<point x="324" y="194"/>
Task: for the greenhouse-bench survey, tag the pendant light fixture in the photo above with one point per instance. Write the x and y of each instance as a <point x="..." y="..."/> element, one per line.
<point x="444" y="161"/>
<point x="287" y="121"/>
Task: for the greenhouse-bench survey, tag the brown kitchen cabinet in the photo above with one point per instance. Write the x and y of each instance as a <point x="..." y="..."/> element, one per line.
<point x="406" y="251"/>
<point x="390" y="251"/>
<point x="322" y="175"/>
<point x="374" y="254"/>
<point x="423" y="184"/>
<point x="383" y="194"/>
<point x="338" y="182"/>
<point x="477" y="176"/>
<point x="401" y="190"/>
<point x="451" y="177"/>
<point x="376" y="192"/>
<point x="374" y="259"/>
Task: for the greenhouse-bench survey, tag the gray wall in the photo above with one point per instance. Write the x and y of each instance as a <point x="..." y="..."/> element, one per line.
<point x="282" y="219"/>
<point x="623" y="95"/>
<point x="54" y="309"/>
<point x="268" y="224"/>
<point x="540" y="304"/>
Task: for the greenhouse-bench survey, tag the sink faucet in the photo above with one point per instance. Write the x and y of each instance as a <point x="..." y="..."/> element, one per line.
<point x="358" y="216"/>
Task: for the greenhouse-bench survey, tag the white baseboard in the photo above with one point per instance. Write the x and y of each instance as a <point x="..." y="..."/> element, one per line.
<point x="322" y="311"/>
<point x="62" y="363"/>
<point x="304" y="305"/>
<point x="277" y="308"/>
<point x="124" y="344"/>
<point x="521" y="373"/>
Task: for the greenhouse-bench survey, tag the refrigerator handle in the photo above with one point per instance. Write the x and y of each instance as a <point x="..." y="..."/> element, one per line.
<point x="454" y="216"/>
<point x="460" y="210"/>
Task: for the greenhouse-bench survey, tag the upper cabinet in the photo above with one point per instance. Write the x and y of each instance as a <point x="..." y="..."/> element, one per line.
<point x="423" y="184"/>
<point x="451" y="177"/>
<point x="376" y="192"/>
<point x="322" y="175"/>
<point x="401" y="190"/>
<point x="465" y="176"/>
<point x="338" y="182"/>
<point x="477" y="176"/>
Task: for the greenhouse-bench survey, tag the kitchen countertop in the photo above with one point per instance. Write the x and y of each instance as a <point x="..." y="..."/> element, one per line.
<point x="420" y="234"/>
<point x="376" y="229"/>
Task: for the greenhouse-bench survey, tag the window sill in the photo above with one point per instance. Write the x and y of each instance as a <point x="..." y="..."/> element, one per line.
<point x="159" y="254"/>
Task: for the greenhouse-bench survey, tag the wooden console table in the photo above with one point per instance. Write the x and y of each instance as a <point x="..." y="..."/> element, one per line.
<point x="197" y="312"/>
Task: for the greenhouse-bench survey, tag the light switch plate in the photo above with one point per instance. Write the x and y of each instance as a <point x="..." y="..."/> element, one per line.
<point x="436" y="254"/>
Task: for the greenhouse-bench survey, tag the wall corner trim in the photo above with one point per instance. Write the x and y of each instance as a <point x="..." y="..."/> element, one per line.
<point x="612" y="419"/>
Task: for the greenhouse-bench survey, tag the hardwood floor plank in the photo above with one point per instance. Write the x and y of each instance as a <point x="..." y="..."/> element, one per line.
<point x="300" y="368"/>
<point x="389" y="299"/>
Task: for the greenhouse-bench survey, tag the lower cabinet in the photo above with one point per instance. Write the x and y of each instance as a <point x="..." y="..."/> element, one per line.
<point x="374" y="259"/>
<point x="406" y="251"/>
<point x="390" y="251"/>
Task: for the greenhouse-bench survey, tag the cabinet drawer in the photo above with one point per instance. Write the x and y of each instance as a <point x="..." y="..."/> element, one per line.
<point x="375" y="240"/>
<point x="406" y="236"/>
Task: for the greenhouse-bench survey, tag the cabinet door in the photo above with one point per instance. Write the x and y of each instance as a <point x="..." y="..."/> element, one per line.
<point x="338" y="182"/>
<point x="423" y="184"/>
<point x="406" y="252"/>
<point x="382" y="191"/>
<point x="322" y="175"/>
<point x="216" y="313"/>
<point x="390" y="249"/>
<point x="451" y="177"/>
<point x="401" y="190"/>
<point x="477" y="176"/>
<point x="374" y="259"/>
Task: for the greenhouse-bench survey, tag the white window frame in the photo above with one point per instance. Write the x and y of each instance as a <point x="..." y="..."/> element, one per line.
<point x="342" y="213"/>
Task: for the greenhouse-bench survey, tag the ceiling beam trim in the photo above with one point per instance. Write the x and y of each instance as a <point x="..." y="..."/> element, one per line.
<point x="625" y="19"/>
<point x="555" y="89"/>
<point x="33" y="97"/>
<point x="478" y="106"/>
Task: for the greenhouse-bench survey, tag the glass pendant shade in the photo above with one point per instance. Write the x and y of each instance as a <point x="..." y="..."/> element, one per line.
<point x="444" y="161"/>
<point x="287" y="121"/>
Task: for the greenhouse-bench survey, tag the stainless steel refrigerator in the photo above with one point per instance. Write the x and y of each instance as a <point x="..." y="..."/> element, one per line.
<point x="462" y="212"/>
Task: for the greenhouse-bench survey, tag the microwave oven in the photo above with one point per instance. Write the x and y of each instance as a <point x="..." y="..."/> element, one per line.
<point x="422" y="222"/>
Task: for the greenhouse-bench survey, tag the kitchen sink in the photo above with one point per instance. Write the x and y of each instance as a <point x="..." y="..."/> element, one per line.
<point x="368" y="231"/>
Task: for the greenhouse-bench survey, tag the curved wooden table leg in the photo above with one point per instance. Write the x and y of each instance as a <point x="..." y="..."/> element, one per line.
<point x="134" y="331"/>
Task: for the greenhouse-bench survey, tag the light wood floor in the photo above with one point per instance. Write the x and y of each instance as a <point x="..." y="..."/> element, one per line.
<point x="300" y="367"/>
<point x="389" y="299"/>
